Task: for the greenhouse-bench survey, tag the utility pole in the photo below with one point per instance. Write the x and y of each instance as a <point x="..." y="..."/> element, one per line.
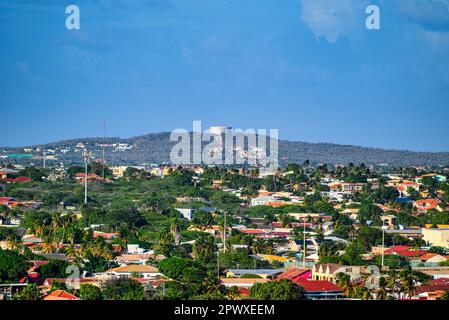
<point x="104" y="142"/>
<point x="304" y="245"/>
<point x="224" y="234"/>
<point x="44" y="157"/>
<point x="218" y="264"/>
<point x="86" y="161"/>
<point x="383" y="242"/>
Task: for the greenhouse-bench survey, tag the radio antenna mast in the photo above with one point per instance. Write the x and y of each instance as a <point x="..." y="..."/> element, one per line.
<point x="86" y="155"/>
<point x="104" y="142"/>
<point x="44" y="156"/>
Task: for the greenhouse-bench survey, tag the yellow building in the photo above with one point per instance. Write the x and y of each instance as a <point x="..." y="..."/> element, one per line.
<point x="436" y="237"/>
<point x="118" y="171"/>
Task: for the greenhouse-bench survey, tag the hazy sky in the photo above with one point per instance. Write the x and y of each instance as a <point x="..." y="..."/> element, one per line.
<point x="309" y="68"/>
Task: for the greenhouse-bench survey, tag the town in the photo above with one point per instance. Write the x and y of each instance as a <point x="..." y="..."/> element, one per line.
<point x="164" y="232"/>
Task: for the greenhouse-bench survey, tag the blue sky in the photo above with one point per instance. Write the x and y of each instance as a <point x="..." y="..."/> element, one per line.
<point x="309" y="68"/>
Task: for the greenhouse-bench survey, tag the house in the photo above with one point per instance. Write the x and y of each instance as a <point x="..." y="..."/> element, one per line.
<point x="213" y="230"/>
<point x="18" y="180"/>
<point x="186" y="199"/>
<point x="31" y="277"/>
<point x="351" y="212"/>
<point x="437" y="177"/>
<point x="242" y="282"/>
<point x="47" y="283"/>
<point x="133" y="270"/>
<point x="119" y="171"/>
<point x="186" y="213"/>
<point x="403" y="186"/>
<point x="60" y="295"/>
<point x="257" y="232"/>
<point x="133" y="258"/>
<point x="309" y="216"/>
<point x="263" y="273"/>
<point x="272" y="258"/>
<point x="425" y="205"/>
<point x="134" y="249"/>
<point x="436" y="237"/>
<point x="405" y="251"/>
<point x="261" y="201"/>
<point x="295" y="273"/>
<point x="320" y="290"/>
<point x="80" y="177"/>
<point x="432" y="290"/>
<point x="434" y="272"/>
<point x="106" y="235"/>
<point x="297" y="245"/>
<point x="433" y="258"/>
<point x="8" y="290"/>
<point x="329" y="271"/>
<point x="389" y="220"/>
<point x="351" y="187"/>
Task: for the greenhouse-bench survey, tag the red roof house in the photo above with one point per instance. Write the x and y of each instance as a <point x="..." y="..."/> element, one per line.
<point x="60" y="295"/>
<point x="405" y="251"/>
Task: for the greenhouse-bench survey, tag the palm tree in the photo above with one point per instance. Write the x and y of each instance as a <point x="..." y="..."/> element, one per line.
<point x="364" y="293"/>
<point x="392" y="283"/>
<point x="320" y="233"/>
<point x="344" y="282"/>
<point x="174" y="229"/>
<point x="47" y="245"/>
<point x="38" y="230"/>
<point x="66" y="221"/>
<point x="233" y="293"/>
<point x="407" y="280"/>
<point x="445" y="296"/>
<point x="13" y="243"/>
<point x="213" y="286"/>
<point x="382" y="290"/>
<point x="71" y="252"/>
<point x="204" y="248"/>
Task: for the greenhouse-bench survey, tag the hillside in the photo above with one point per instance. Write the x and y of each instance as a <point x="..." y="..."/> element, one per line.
<point x="155" y="148"/>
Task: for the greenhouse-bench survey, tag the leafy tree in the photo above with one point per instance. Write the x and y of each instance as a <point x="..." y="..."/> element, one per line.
<point x="438" y="250"/>
<point x="181" y="269"/>
<point x="240" y="258"/>
<point x="54" y="269"/>
<point x="392" y="260"/>
<point x="171" y="290"/>
<point x="13" y="266"/>
<point x="90" y="292"/>
<point x="123" y="289"/>
<point x="353" y="255"/>
<point x="369" y="212"/>
<point x="32" y="173"/>
<point x="58" y="285"/>
<point x="204" y="248"/>
<point x="368" y="237"/>
<point x="30" y="292"/>
<point x="278" y="290"/>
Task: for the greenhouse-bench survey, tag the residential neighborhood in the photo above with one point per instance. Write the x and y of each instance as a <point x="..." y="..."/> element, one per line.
<point x="310" y="231"/>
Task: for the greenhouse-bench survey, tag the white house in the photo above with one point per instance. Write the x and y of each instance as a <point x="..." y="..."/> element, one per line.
<point x="140" y="270"/>
<point x="186" y="213"/>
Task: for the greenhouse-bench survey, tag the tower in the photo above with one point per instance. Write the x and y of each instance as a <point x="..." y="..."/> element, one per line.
<point x="86" y="155"/>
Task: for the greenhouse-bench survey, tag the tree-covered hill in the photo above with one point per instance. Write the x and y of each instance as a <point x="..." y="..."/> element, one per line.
<point x="155" y="148"/>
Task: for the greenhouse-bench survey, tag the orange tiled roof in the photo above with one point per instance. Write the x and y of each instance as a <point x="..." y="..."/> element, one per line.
<point x="60" y="295"/>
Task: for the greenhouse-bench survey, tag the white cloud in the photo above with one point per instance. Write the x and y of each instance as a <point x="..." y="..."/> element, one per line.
<point x="331" y="19"/>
